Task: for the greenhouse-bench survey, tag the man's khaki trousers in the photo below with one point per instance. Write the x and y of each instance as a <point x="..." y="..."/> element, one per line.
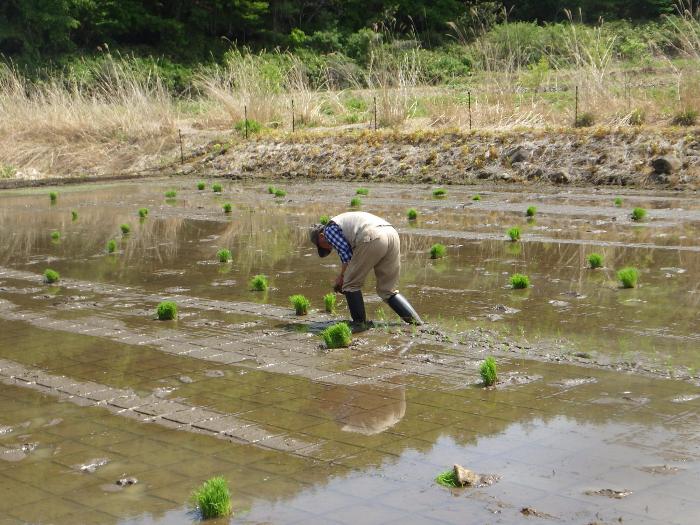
<point x="383" y="254"/>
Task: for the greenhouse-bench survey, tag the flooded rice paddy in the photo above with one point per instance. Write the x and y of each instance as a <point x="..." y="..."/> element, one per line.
<point x="595" y="418"/>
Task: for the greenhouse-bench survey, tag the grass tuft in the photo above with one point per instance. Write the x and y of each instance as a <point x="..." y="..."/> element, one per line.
<point x="355" y="202"/>
<point x="201" y="185"/>
<point x="227" y="207"/>
<point x="213" y="498"/>
<point x="447" y="479"/>
<point x="53" y="196"/>
<point x="531" y="211"/>
<point x="362" y="191"/>
<point x="55" y="236"/>
<point x="595" y="260"/>
<point x="628" y="277"/>
<point x="167" y="311"/>
<point x="170" y="194"/>
<point x="438" y="251"/>
<point x="476" y="197"/>
<point x="638" y="214"/>
<point x="217" y="188"/>
<point x="280" y="193"/>
<point x="685" y="117"/>
<point x="253" y="126"/>
<point x="337" y="336"/>
<point x="51" y="276"/>
<point x="412" y="214"/>
<point x="519" y="281"/>
<point x="111" y="246"/>
<point x="514" y="233"/>
<point x="300" y="304"/>
<point x="324" y="219"/>
<point x="224" y="255"/>
<point x="488" y="371"/>
<point x="584" y="120"/>
<point x="271" y="190"/>
<point x="618" y="201"/>
<point x="259" y="283"/>
<point x="439" y="192"/>
<point x="125" y="228"/>
<point x="143" y="212"/>
<point x="329" y="302"/>
<point x="74" y="215"/>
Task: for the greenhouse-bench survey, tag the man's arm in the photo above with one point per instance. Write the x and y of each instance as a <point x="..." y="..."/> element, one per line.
<point x="334" y="236"/>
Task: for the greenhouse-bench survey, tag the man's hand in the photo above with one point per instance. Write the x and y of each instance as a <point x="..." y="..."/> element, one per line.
<point x="338" y="287"/>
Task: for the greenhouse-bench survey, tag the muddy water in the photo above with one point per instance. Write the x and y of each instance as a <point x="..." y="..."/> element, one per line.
<point x="309" y="436"/>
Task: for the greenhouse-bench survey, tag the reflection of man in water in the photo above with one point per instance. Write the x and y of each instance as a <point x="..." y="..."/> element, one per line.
<point x="346" y="404"/>
<point x="364" y="242"/>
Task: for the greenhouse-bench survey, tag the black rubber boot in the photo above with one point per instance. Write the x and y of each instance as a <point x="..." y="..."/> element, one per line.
<point x="356" y="305"/>
<point x="404" y="309"/>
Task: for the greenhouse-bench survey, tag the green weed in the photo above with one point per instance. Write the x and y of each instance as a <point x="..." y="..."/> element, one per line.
<point x="53" y="196"/>
<point x="447" y="479"/>
<point x="488" y="371"/>
<point x="519" y="281"/>
<point x="253" y="126"/>
<point x="227" y="207"/>
<point x="637" y="117"/>
<point x="638" y="214"/>
<point x="213" y="498"/>
<point x="51" y="276"/>
<point x="125" y="228"/>
<point x="514" y="233"/>
<point x="170" y="194"/>
<point x="324" y="219"/>
<point x="224" y="255"/>
<point x="55" y="236"/>
<point x="412" y="214"/>
<point x="438" y="251"/>
<point x="595" y="260"/>
<point x="531" y="211"/>
<point x="584" y="120"/>
<point x="143" y="212"/>
<point x="362" y="191"/>
<point x="300" y="304"/>
<point x="74" y="215"/>
<point x="167" y="311"/>
<point x="111" y="246"/>
<point x="685" y="117"/>
<point x="329" y="302"/>
<point x="337" y="336"/>
<point x="217" y="188"/>
<point x="355" y="203"/>
<point x="618" y="201"/>
<point x="439" y="192"/>
<point x="201" y="185"/>
<point x="628" y="277"/>
<point x="476" y="197"/>
<point x="259" y="283"/>
<point x="280" y="193"/>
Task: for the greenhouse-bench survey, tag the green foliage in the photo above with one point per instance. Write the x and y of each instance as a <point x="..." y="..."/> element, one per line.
<point x="51" y="276"/>
<point x="584" y="120"/>
<point x="280" y="193"/>
<point x="253" y="127"/>
<point x="300" y="304"/>
<point x="628" y="277"/>
<point x="595" y="260"/>
<point x="618" y="201"/>
<point x="271" y="190"/>
<point x="324" y="219"/>
<point x="201" y="185"/>
<point x="74" y="215"/>
<point x="476" y="197"/>
<point x="355" y="202"/>
<point x="329" y="302"/>
<point x="216" y="187"/>
<point x="167" y="311"/>
<point x="412" y="214"/>
<point x="213" y="498"/>
<point x="439" y="192"/>
<point x="224" y="255"/>
<point x="143" y="212"/>
<point x="111" y="246"/>
<point x="7" y="171"/>
<point x="488" y="371"/>
<point x="227" y="207"/>
<point x="170" y="194"/>
<point x="259" y="283"/>
<point x="638" y="214"/>
<point x="531" y="211"/>
<point x="362" y="191"/>
<point x="447" y="479"/>
<point x="337" y="336"/>
<point x="125" y="228"/>
<point x="438" y="251"/>
<point x="55" y="235"/>
<point x="637" y="117"/>
<point x="519" y="281"/>
<point x="53" y="196"/>
<point x="685" y="117"/>
<point x="514" y="233"/>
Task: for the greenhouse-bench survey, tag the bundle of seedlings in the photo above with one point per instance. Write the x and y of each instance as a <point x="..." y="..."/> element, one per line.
<point x="167" y="311"/>
<point x="337" y="336"/>
<point x="300" y="304"/>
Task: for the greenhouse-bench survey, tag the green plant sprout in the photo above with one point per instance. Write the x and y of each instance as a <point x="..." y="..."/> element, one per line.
<point x="412" y="214"/>
<point x="488" y="371"/>
<point x="224" y="255"/>
<point x="143" y="212"/>
<point x="55" y="236"/>
<point x="514" y="233"/>
<point x="618" y="201"/>
<point x="201" y="185"/>
<point x="280" y="193"/>
<point x="476" y="197"/>
<point x="74" y="215"/>
<point x="337" y="336"/>
<point x="355" y="202"/>
<point x="111" y="246"/>
<point x="439" y="192"/>
<point x="519" y="281"/>
<point x="125" y="228"/>
<point x="531" y="211"/>
<point x="213" y="498"/>
<point x="438" y="251"/>
<point x="448" y="479"/>
<point x="216" y="188"/>
<point x="170" y="194"/>
<point x="53" y="196"/>
<point x="227" y="207"/>
<point x="329" y="302"/>
<point x="167" y="311"/>
<point x="362" y="191"/>
<point x="300" y="304"/>
<point x="51" y="276"/>
<point x="324" y="219"/>
<point x="628" y="277"/>
<point x="638" y="214"/>
<point x="595" y="260"/>
<point x="259" y="283"/>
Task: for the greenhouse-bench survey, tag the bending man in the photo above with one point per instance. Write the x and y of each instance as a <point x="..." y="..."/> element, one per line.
<point x="364" y="242"/>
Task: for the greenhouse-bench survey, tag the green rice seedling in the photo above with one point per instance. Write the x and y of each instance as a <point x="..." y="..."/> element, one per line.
<point x="170" y="194"/>
<point x="519" y="281"/>
<point x="362" y="191"/>
<point x="201" y="185"/>
<point x="355" y="202"/>
<point x="259" y="283"/>
<point x="125" y="228"/>
<point x="324" y="219"/>
<point x="447" y="479"/>
<point x="213" y="498"/>
<point x="628" y="277"/>
<point x="217" y="188"/>
<point x="337" y="336"/>
<point x="55" y="236"/>
<point x="412" y="214"/>
<point x="584" y="120"/>
<point x="329" y="302"/>
<point x="143" y="212"/>
<point x="488" y="371"/>
<point x="111" y="246"/>
<point x="618" y="201"/>
<point x="167" y="311"/>
<point x="280" y="193"/>
<point x="476" y="197"/>
<point x="439" y="192"/>
<point x="438" y="251"/>
<point x="638" y="214"/>
<point x="227" y="207"/>
<point x="595" y="260"/>
<point x="271" y="190"/>
<point x="531" y="211"/>
<point x="53" y="196"/>
<point x="514" y="234"/>
<point x="74" y="215"/>
<point x="300" y="304"/>
<point x="224" y="255"/>
<point x="51" y="276"/>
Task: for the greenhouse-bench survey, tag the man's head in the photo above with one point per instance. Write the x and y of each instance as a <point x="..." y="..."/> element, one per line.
<point x="317" y="237"/>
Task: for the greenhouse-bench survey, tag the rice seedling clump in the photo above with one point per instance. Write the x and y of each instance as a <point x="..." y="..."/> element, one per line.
<point x="213" y="498"/>
<point x="143" y="212"/>
<point x="447" y="479"/>
<point x="224" y="255"/>
<point x="167" y="311"/>
<point x="216" y="188"/>
<point x="519" y="281"/>
<point x="227" y="207"/>
<point x="55" y="236"/>
<point x="595" y="260"/>
<point x="439" y="192"/>
<point x="618" y="201"/>
<point x="337" y="336"/>
<point x="638" y="214"/>
<point x="355" y="203"/>
<point x="53" y="196"/>
<point x="531" y="211"/>
<point x="362" y="191"/>
<point x="514" y="234"/>
<point x="170" y="194"/>
<point x="111" y="246"/>
<point x="488" y="372"/>
<point x="628" y="277"/>
<point x="125" y="228"/>
<point x="51" y="276"/>
<point x="324" y="219"/>
<point x="300" y="304"/>
<point x="201" y="185"/>
<point x="329" y="302"/>
<point x="476" y="197"/>
<point x="438" y="251"/>
<point x="412" y="214"/>
<point x="280" y="193"/>
<point x="74" y="215"/>
<point x="259" y="283"/>
<point x="271" y="190"/>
